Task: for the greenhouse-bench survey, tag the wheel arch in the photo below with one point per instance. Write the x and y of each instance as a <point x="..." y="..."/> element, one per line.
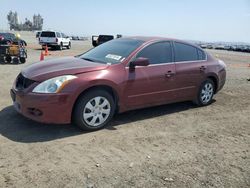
<point x="215" y="80"/>
<point x="107" y="88"/>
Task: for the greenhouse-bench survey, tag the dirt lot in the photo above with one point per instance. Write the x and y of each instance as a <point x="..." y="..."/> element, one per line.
<point x="175" y="145"/>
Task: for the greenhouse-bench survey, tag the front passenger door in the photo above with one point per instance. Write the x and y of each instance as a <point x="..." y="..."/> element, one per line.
<point x="155" y="83"/>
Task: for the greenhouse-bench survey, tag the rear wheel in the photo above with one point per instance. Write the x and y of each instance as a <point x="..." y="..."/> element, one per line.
<point x="60" y="47"/>
<point x="94" y="110"/>
<point x="22" y="59"/>
<point x="69" y="46"/>
<point x="206" y="93"/>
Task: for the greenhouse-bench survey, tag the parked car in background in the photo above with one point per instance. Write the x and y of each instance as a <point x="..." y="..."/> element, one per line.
<point x="239" y="47"/>
<point x="11" y="39"/>
<point x="12" y="48"/>
<point x="203" y="46"/>
<point x="54" y="39"/>
<point x="98" y="40"/>
<point x="75" y="38"/>
<point x="209" y="46"/>
<point x="248" y="48"/>
<point x="117" y="76"/>
<point x="7" y="38"/>
<point x="219" y="47"/>
<point x="227" y="47"/>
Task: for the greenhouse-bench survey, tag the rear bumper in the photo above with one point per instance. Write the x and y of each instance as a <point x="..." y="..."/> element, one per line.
<point x="45" y="108"/>
<point x="48" y="44"/>
<point x="222" y="79"/>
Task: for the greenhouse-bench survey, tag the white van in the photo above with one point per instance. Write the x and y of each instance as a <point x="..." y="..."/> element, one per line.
<point x="54" y="39"/>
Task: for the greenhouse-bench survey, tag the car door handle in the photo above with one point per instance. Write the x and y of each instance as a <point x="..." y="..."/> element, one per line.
<point x="169" y="74"/>
<point x="202" y="68"/>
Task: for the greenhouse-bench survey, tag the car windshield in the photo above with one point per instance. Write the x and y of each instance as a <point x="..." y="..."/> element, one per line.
<point x="112" y="52"/>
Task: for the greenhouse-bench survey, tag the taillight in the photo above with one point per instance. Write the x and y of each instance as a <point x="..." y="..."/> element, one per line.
<point x="56" y="39"/>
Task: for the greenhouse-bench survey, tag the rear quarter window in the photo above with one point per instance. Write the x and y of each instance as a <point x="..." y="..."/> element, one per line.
<point x="201" y="54"/>
<point x="185" y="52"/>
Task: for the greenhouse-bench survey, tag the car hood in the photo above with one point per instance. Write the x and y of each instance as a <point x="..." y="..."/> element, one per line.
<point x="47" y="69"/>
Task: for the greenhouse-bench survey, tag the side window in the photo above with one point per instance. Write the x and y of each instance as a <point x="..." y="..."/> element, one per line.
<point x="201" y="55"/>
<point x="185" y="52"/>
<point x="63" y="35"/>
<point x="157" y="53"/>
<point x="58" y="34"/>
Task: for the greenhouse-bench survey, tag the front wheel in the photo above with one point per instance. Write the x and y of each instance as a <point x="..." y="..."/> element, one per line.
<point x="206" y="93"/>
<point x="94" y="110"/>
<point x="22" y="59"/>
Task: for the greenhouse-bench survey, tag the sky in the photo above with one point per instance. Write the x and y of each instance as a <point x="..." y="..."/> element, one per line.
<point x="204" y="20"/>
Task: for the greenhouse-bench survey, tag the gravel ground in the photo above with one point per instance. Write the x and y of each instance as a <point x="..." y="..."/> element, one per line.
<point x="176" y="145"/>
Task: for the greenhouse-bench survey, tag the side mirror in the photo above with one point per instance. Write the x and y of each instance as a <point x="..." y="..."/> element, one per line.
<point x="141" y="61"/>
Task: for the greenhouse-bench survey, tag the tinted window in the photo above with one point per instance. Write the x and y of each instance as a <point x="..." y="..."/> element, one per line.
<point x="63" y="35"/>
<point x="157" y="53"/>
<point x="185" y="52"/>
<point x="47" y="34"/>
<point x="105" y="37"/>
<point x="58" y="35"/>
<point x="8" y="35"/>
<point x="114" y="51"/>
<point x="201" y="55"/>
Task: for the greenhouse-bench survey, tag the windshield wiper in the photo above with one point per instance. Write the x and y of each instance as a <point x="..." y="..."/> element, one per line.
<point x="93" y="60"/>
<point x="88" y="59"/>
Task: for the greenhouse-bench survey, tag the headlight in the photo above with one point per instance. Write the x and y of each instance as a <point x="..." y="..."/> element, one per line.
<point x="53" y="85"/>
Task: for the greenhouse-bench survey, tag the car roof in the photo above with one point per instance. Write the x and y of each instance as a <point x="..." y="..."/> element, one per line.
<point x="7" y="34"/>
<point x="147" y="39"/>
<point x="49" y="31"/>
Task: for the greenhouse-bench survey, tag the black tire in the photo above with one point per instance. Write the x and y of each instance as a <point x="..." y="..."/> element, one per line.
<point x="60" y="47"/>
<point x="81" y="103"/>
<point x="15" y="60"/>
<point x="69" y="46"/>
<point x="8" y="58"/>
<point x="202" y="98"/>
<point x="22" y="59"/>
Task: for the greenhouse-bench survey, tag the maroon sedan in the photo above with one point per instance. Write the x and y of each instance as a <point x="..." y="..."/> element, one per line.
<point x="120" y="75"/>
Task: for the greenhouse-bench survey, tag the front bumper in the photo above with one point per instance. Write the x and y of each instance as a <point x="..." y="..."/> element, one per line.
<point x="45" y="108"/>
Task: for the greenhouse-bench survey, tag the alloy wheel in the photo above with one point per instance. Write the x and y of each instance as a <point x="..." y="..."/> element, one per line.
<point x="207" y="93"/>
<point x="96" y="111"/>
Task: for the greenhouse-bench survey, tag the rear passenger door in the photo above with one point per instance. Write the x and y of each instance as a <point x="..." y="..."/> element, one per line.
<point x="64" y="39"/>
<point x="58" y="36"/>
<point x="190" y="69"/>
